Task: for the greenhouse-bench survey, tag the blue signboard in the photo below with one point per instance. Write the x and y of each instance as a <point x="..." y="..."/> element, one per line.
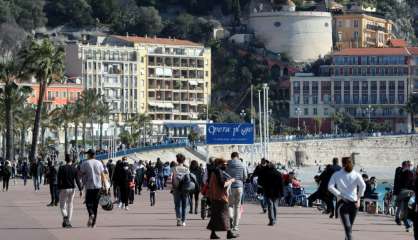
<point x="229" y="133"/>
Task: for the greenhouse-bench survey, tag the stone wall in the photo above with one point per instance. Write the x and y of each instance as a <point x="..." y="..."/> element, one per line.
<point x="373" y="151"/>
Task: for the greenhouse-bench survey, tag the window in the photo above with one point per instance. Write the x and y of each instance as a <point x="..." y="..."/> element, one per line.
<point x="355" y="23"/>
<point x="326" y="111"/>
<point x="340" y="36"/>
<point x="356" y="35"/>
<point x="306" y="111"/>
<point x="277" y="24"/>
<point x="315" y="111"/>
<point x="340" y="23"/>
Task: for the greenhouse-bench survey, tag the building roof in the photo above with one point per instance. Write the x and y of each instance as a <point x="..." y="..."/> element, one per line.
<point x="156" y="40"/>
<point x="413" y="50"/>
<point x="373" y="52"/>
<point x="397" y="43"/>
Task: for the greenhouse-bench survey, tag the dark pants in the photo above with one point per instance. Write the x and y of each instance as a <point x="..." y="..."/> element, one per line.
<point x="194" y="195"/>
<point x="92" y="202"/>
<point x="347" y="212"/>
<point x="415" y="225"/>
<point x="272" y="210"/>
<point x="138" y="187"/>
<point x="25" y="179"/>
<point x="165" y="181"/>
<point x="53" y="190"/>
<point x="124" y="194"/>
<point x="6" y="180"/>
<point x="152" y="197"/>
<point x="131" y="196"/>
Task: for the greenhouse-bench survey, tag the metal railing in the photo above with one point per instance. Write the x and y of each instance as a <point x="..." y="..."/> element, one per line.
<point x="125" y="152"/>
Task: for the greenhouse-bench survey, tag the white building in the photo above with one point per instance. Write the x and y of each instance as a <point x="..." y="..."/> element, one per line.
<point x="303" y="36"/>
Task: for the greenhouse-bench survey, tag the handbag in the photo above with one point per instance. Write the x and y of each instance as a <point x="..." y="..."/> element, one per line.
<point x="215" y="192"/>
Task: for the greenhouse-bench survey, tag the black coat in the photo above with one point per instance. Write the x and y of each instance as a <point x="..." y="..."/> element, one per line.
<point x="272" y="182"/>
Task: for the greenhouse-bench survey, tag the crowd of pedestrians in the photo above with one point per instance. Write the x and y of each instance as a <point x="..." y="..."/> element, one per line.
<point x="340" y="192"/>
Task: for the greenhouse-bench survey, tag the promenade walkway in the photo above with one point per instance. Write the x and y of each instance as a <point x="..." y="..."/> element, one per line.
<point x="24" y="216"/>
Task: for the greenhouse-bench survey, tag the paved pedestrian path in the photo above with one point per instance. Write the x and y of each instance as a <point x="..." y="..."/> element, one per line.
<point x="24" y="216"/>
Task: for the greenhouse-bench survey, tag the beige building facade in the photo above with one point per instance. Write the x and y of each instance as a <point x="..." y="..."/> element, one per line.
<point x="357" y="30"/>
<point x="168" y="79"/>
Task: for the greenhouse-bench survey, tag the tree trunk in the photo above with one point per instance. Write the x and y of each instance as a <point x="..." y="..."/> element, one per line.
<point x="412" y="122"/>
<point x="37" y="124"/>
<point x="101" y="137"/>
<point x="9" y="122"/>
<point x="22" y="143"/>
<point x="4" y="144"/>
<point x="75" y="141"/>
<point x="43" y="130"/>
<point x="65" y="139"/>
<point x="84" y="134"/>
<point x="92" y="134"/>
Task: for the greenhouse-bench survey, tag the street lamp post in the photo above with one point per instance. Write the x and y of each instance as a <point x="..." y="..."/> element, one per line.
<point x="369" y="110"/>
<point x="298" y="112"/>
<point x="243" y="114"/>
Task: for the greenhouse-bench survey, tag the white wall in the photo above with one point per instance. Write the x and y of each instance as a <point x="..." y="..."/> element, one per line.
<point x="304" y="36"/>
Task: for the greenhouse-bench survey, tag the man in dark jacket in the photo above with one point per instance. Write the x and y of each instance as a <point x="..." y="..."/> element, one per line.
<point x="52" y="178"/>
<point x="406" y="187"/>
<point x="34" y="174"/>
<point x="67" y="178"/>
<point x="139" y="177"/>
<point x="396" y="190"/>
<point x="273" y="190"/>
<point x="259" y="174"/>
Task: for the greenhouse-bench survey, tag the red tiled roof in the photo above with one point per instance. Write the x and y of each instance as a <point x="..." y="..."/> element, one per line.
<point x="372" y="52"/>
<point x="413" y="50"/>
<point x="397" y="43"/>
<point x="155" y="40"/>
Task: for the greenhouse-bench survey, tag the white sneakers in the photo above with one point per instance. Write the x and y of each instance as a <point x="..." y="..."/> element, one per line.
<point x="126" y="208"/>
<point x="180" y="223"/>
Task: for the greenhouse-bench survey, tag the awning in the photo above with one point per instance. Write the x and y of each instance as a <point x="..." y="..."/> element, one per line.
<point x="167" y="105"/>
<point x="153" y="104"/>
<point x="193" y="103"/>
<point x="193" y="83"/>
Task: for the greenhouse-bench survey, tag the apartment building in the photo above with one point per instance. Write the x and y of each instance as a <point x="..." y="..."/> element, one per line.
<point x="57" y="94"/>
<point x="358" y="30"/>
<point x="362" y="82"/>
<point x="167" y="78"/>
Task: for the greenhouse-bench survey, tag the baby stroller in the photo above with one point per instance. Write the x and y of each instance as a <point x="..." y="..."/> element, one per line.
<point x="299" y="197"/>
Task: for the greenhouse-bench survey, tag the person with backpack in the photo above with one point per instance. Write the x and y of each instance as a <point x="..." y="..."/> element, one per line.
<point x="152" y="187"/>
<point x="182" y="186"/>
<point x="139" y="177"/>
<point x="198" y="173"/>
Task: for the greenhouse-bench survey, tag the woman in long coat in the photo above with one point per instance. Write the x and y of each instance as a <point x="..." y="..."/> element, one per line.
<point x="217" y="193"/>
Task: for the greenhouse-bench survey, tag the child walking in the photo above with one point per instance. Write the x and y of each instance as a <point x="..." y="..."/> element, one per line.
<point x="152" y="187"/>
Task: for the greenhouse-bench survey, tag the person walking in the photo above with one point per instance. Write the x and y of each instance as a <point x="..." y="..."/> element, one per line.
<point x="166" y="172"/>
<point x="273" y="191"/>
<point x="217" y="193"/>
<point x="139" y="177"/>
<point x="123" y="184"/>
<point x="67" y="179"/>
<point x="52" y="178"/>
<point x="34" y="174"/>
<point x="197" y="171"/>
<point x="258" y="177"/>
<point x="180" y="178"/>
<point x="6" y="173"/>
<point x="406" y="188"/>
<point x="237" y="170"/>
<point x="152" y="187"/>
<point x="396" y="191"/>
<point x="348" y="187"/>
<point x="92" y="172"/>
<point x="160" y="174"/>
<point x="25" y="172"/>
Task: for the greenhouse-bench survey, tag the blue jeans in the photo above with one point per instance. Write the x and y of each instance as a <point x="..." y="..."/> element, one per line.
<point x="36" y="183"/>
<point x="272" y="210"/>
<point x="180" y="205"/>
<point x="160" y="183"/>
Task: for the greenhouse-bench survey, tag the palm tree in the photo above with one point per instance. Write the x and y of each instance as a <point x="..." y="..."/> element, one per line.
<point x="88" y="102"/>
<point x="25" y="115"/>
<point x="76" y="115"/>
<point x="12" y="96"/>
<point x="45" y="62"/>
<point x="412" y="108"/>
<point x="139" y="124"/>
<point x="103" y="113"/>
<point x="63" y="117"/>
